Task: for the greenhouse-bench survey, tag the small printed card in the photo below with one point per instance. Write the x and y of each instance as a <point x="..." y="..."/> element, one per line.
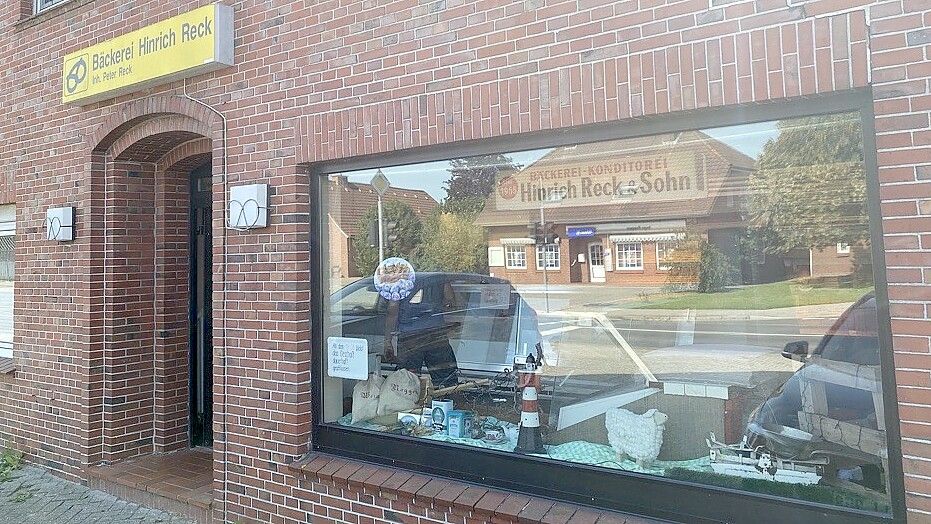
<point x="348" y="358"/>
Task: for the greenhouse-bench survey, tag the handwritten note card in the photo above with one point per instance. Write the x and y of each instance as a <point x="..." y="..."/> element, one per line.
<point x="348" y="358"/>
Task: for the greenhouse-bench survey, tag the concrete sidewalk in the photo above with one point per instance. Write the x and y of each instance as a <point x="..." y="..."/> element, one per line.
<point x="35" y="496"/>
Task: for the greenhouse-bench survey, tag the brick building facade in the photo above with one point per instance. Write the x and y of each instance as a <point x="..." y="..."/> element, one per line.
<point x="713" y="175"/>
<point x="101" y="328"/>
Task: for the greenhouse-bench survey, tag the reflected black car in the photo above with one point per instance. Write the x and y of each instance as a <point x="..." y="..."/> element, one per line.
<point x="450" y="323"/>
<point x="832" y="397"/>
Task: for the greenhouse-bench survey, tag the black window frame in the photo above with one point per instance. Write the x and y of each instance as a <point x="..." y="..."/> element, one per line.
<point x="579" y="483"/>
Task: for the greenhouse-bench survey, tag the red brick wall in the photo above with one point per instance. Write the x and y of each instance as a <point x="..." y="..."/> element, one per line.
<point x="901" y="43"/>
<point x="172" y="330"/>
<point x="7" y="185"/>
<point x="325" y="80"/>
<point x="129" y="321"/>
<point x="827" y="262"/>
<point x="430" y="91"/>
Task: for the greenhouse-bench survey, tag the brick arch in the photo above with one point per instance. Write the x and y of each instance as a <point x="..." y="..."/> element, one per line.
<point x="134" y="161"/>
<point x="154" y="137"/>
<point x="133" y="113"/>
<point x="187" y="156"/>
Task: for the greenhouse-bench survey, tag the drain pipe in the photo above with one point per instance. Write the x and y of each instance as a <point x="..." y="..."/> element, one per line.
<point x="104" y="443"/>
<point x="154" y="303"/>
<point x="223" y="323"/>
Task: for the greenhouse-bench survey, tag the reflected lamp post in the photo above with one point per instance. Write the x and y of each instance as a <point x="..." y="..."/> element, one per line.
<point x="556" y="197"/>
<point x="381" y="184"/>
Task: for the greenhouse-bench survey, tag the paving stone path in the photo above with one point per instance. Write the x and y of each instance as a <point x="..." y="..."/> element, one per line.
<point x="35" y="496"/>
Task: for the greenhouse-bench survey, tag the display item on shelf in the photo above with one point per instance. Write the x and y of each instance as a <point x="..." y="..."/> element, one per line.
<point x="459" y="423"/>
<point x="529" y="437"/>
<point x="399" y="392"/>
<point x="639" y="437"/>
<point x="741" y="460"/>
<point x="365" y="397"/>
<point x="440" y="413"/>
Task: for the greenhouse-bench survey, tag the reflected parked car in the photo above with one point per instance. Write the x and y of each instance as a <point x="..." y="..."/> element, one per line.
<point x="837" y="388"/>
<point x="450" y="323"/>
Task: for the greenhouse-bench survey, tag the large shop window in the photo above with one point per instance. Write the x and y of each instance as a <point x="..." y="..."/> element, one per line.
<point x="728" y="346"/>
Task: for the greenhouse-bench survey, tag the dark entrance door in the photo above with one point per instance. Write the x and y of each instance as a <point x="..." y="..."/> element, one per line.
<point x="201" y="307"/>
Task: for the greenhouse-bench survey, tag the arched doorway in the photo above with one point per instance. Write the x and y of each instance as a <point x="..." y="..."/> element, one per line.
<point x="152" y="362"/>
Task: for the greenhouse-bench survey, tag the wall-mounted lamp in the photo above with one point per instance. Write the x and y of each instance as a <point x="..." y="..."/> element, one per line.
<point x="248" y="207"/>
<point x="59" y="224"/>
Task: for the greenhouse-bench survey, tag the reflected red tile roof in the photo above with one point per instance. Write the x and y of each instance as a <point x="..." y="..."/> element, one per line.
<point x="350" y="200"/>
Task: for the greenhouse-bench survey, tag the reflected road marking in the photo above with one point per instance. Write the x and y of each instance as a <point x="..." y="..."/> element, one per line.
<point x="698" y="332"/>
<point x="556" y="331"/>
<point x="608" y="326"/>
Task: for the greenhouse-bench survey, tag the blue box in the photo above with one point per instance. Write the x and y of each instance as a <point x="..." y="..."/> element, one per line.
<point x="460" y="423"/>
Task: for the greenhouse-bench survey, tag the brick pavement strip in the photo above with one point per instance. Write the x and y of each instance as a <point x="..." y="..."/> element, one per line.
<point x="35" y="496"/>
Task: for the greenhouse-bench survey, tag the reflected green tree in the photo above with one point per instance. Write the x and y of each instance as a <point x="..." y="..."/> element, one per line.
<point x="472" y="180"/>
<point x="452" y="243"/>
<point x="810" y="188"/>
<point x="697" y="264"/>
<point x="404" y="241"/>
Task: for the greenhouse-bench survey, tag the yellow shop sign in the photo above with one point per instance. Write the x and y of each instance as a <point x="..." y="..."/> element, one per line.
<point x="179" y="47"/>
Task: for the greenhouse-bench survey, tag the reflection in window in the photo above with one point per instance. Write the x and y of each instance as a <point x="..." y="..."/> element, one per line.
<point x="515" y="257"/>
<point x="7" y="275"/>
<point x="705" y="324"/>
<point x="629" y="255"/>
<point x="359" y="299"/>
<point x="664" y="250"/>
<point x="548" y="257"/>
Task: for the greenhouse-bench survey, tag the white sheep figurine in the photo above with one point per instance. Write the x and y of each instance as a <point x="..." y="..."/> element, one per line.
<point x="636" y="436"/>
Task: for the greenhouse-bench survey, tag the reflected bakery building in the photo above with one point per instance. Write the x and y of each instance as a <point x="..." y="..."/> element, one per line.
<point x="621" y="213"/>
<point x="617" y="208"/>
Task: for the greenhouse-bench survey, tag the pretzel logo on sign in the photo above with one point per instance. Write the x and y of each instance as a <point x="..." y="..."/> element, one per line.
<point x="244" y="214"/>
<point x="54" y="228"/>
<point x="76" y="79"/>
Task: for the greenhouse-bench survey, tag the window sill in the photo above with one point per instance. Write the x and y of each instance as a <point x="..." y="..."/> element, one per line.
<point x="6" y="366"/>
<point x="454" y="496"/>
